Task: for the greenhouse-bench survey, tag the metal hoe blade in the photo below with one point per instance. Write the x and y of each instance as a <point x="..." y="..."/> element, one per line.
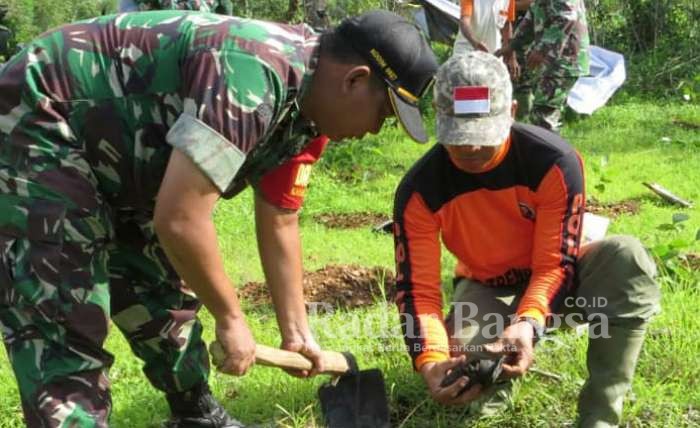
<point x="356" y="400"/>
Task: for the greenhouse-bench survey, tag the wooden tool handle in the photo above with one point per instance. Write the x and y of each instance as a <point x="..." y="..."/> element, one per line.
<point x="334" y="363"/>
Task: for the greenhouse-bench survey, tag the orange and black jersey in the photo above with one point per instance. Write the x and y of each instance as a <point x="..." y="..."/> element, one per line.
<point x="519" y="222"/>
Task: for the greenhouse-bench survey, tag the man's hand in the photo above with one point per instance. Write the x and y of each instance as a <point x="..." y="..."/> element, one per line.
<point x="504" y="51"/>
<point x="466" y="29"/>
<point x="512" y="63"/>
<point x="510" y="60"/>
<point x="238" y="345"/>
<point x="516" y="343"/>
<point x="535" y="60"/>
<point x="307" y="346"/>
<point x="480" y="46"/>
<point x="434" y="373"/>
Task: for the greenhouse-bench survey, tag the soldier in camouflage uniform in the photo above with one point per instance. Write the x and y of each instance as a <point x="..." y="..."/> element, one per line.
<point x="553" y="40"/>
<point x="117" y="137"/>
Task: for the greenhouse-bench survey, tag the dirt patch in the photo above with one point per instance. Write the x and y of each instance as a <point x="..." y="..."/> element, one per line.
<point x="350" y="220"/>
<point x="691" y="261"/>
<point x="685" y="123"/>
<point x="231" y="393"/>
<point x="613" y="209"/>
<point x="341" y="286"/>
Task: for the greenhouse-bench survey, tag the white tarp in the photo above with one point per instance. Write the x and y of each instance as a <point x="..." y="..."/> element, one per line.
<point x="607" y="74"/>
<point x="446" y="6"/>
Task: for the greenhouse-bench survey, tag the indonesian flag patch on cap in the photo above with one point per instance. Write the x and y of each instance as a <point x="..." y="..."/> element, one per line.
<point x="471" y="99"/>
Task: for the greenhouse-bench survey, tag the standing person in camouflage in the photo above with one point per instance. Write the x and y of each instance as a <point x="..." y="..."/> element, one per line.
<point x="118" y="135"/>
<point x="553" y="37"/>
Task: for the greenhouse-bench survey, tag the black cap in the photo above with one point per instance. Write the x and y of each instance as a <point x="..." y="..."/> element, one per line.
<point x="398" y="52"/>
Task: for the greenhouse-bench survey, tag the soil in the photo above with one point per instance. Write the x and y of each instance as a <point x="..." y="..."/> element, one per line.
<point x="341" y="286"/>
<point x="370" y="219"/>
<point x="613" y="209"/>
<point x="685" y="123"/>
<point x="691" y="261"/>
<point x="350" y="220"/>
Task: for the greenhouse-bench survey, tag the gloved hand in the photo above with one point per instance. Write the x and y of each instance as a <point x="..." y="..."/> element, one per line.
<point x="480" y="372"/>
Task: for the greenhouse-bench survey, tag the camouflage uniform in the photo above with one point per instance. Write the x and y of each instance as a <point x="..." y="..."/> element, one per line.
<point x="89" y="115"/>
<point x="214" y="6"/>
<point x="558" y="30"/>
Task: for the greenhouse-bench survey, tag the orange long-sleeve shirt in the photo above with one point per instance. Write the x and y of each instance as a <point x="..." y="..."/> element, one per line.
<point x="519" y="222"/>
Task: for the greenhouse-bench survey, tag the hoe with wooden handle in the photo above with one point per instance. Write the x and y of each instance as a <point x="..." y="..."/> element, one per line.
<point x="353" y="398"/>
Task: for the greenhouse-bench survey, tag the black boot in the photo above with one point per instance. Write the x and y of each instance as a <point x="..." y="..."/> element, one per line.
<point x="197" y="408"/>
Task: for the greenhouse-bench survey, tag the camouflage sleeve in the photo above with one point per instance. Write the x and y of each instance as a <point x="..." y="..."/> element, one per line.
<point x="523" y="33"/>
<point x="209" y="150"/>
<point x="560" y="21"/>
<point x="230" y="97"/>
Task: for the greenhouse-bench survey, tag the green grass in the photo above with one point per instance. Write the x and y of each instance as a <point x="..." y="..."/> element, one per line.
<point x="623" y="145"/>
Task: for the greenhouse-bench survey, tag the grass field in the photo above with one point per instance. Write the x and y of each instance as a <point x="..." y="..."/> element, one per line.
<point x="623" y="145"/>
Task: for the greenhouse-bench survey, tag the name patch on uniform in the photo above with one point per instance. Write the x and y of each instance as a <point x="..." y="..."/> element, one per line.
<point x="301" y="180"/>
<point x="471" y="99"/>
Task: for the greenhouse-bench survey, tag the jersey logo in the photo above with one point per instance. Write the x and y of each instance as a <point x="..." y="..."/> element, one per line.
<point x="514" y="276"/>
<point x="526" y="211"/>
<point x="301" y="181"/>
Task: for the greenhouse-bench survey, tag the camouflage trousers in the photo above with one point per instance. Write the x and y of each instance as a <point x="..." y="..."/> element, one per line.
<point x="68" y="264"/>
<point x="542" y="96"/>
<point x="614" y="292"/>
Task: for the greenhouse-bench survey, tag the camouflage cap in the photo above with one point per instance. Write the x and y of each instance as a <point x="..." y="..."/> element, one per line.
<point x="473" y="97"/>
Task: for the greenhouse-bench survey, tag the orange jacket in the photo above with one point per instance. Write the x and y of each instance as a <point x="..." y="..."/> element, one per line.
<point x="517" y="223"/>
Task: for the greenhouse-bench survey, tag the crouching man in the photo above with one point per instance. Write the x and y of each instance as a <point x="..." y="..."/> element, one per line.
<point x="507" y="200"/>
